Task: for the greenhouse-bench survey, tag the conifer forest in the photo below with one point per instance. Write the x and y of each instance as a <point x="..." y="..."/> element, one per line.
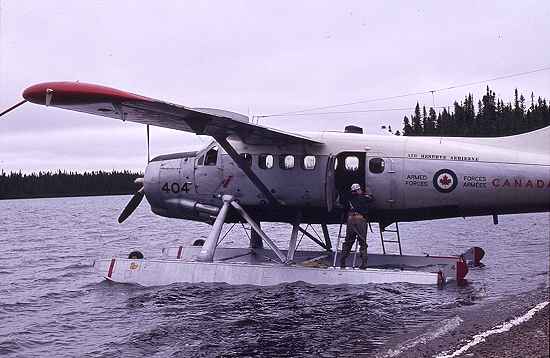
<point x="60" y="183"/>
<point x="490" y="117"/>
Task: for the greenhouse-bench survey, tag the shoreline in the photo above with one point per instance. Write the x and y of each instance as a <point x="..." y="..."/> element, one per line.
<point x="529" y="338"/>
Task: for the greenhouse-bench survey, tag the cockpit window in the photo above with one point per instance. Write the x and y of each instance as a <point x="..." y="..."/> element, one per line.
<point x="200" y="161"/>
<point x="211" y="156"/>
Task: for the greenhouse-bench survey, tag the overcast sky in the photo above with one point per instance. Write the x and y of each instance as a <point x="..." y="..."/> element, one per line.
<point x="250" y="57"/>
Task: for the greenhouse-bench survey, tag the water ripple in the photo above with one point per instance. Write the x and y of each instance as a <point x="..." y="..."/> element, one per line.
<point x="52" y="304"/>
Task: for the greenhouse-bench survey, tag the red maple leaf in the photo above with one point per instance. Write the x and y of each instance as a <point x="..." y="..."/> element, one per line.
<point x="445" y="180"/>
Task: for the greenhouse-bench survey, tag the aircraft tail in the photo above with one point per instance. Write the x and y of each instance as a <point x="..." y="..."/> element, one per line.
<point x="537" y="141"/>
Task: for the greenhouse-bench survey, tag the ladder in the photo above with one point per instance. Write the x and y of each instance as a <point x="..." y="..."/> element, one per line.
<point x="343" y="236"/>
<point x="397" y="240"/>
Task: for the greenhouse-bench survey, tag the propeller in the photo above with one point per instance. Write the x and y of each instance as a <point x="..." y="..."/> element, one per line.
<point x="133" y="203"/>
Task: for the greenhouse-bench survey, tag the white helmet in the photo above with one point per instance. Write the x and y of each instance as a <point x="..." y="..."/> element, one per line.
<point x="355" y="187"/>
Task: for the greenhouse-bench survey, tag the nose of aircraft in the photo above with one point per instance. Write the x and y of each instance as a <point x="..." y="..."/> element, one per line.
<point x="169" y="177"/>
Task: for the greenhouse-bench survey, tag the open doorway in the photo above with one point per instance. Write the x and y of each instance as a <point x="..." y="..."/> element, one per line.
<point x="349" y="168"/>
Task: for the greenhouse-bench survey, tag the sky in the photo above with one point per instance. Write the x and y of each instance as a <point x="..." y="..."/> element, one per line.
<point x="255" y="58"/>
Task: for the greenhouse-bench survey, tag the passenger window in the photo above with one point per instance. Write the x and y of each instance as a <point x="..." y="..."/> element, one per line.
<point x="247" y="158"/>
<point x="265" y="161"/>
<point x="309" y="162"/>
<point x="376" y="165"/>
<point x="351" y="163"/>
<point x="201" y="160"/>
<point x="211" y="156"/>
<point x="286" y="161"/>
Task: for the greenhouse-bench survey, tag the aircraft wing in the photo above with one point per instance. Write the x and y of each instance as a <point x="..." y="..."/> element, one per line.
<point x="113" y="103"/>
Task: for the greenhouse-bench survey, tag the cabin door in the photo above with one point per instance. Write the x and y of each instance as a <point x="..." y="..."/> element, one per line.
<point x="330" y="185"/>
<point x="382" y="175"/>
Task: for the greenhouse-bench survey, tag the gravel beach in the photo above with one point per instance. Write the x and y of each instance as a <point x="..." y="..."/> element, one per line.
<point x="527" y="339"/>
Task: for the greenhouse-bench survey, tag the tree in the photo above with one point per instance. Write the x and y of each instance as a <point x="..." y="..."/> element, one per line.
<point x="407" y="129"/>
<point x="417" y="121"/>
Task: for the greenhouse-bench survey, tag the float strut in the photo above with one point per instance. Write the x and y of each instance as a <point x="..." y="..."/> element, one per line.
<point x="209" y="247"/>
<point x="256" y="228"/>
<point x="293" y="238"/>
<point x="326" y="235"/>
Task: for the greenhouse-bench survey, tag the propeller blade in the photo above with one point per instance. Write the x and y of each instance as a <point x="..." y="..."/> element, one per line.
<point x="132" y="205"/>
<point x="148" y="146"/>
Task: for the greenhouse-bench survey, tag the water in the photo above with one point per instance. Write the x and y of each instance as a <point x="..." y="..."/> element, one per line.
<point x="53" y="304"/>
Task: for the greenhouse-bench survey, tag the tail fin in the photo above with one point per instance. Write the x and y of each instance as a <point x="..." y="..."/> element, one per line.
<point x="537" y="141"/>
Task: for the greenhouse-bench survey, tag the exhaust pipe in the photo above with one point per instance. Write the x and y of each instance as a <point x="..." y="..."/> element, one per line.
<point x="195" y="206"/>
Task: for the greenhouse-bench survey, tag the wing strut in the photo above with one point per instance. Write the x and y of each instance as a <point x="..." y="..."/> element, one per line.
<point x="222" y="141"/>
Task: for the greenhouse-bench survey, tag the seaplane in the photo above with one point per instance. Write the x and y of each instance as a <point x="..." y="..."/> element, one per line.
<point x="252" y="174"/>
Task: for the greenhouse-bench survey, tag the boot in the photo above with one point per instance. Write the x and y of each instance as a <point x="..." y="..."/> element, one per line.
<point x="343" y="260"/>
<point x="345" y="253"/>
<point x="363" y="259"/>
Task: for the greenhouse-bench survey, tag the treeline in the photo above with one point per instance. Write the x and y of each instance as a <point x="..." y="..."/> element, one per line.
<point x="61" y="183"/>
<point x="493" y="117"/>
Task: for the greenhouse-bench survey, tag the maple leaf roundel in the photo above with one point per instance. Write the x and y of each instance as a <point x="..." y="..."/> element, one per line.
<point x="445" y="181"/>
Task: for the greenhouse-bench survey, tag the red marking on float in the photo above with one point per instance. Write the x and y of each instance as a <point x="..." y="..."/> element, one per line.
<point x="111" y="267"/>
<point x="461" y="271"/>
<point x="478" y="255"/>
<point x="179" y="252"/>
<point x="73" y="93"/>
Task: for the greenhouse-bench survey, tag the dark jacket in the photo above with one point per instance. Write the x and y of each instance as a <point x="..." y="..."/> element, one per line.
<point x="360" y="203"/>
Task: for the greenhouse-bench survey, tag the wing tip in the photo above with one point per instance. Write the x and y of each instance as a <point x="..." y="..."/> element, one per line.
<point x="62" y="93"/>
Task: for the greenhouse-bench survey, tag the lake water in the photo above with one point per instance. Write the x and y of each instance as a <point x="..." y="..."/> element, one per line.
<point x="53" y="304"/>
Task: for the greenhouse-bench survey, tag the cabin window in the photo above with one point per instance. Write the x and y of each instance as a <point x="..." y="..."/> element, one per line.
<point x="286" y="161"/>
<point x="211" y="156"/>
<point x="351" y="163"/>
<point x="200" y="161"/>
<point x="309" y="162"/>
<point x="265" y="161"/>
<point x="376" y="165"/>
<point x="335" y="163"/>
<point x="247" y="158"/>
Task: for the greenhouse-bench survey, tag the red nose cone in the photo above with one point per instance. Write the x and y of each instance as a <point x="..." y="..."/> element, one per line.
<point x="73" y="93"/>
